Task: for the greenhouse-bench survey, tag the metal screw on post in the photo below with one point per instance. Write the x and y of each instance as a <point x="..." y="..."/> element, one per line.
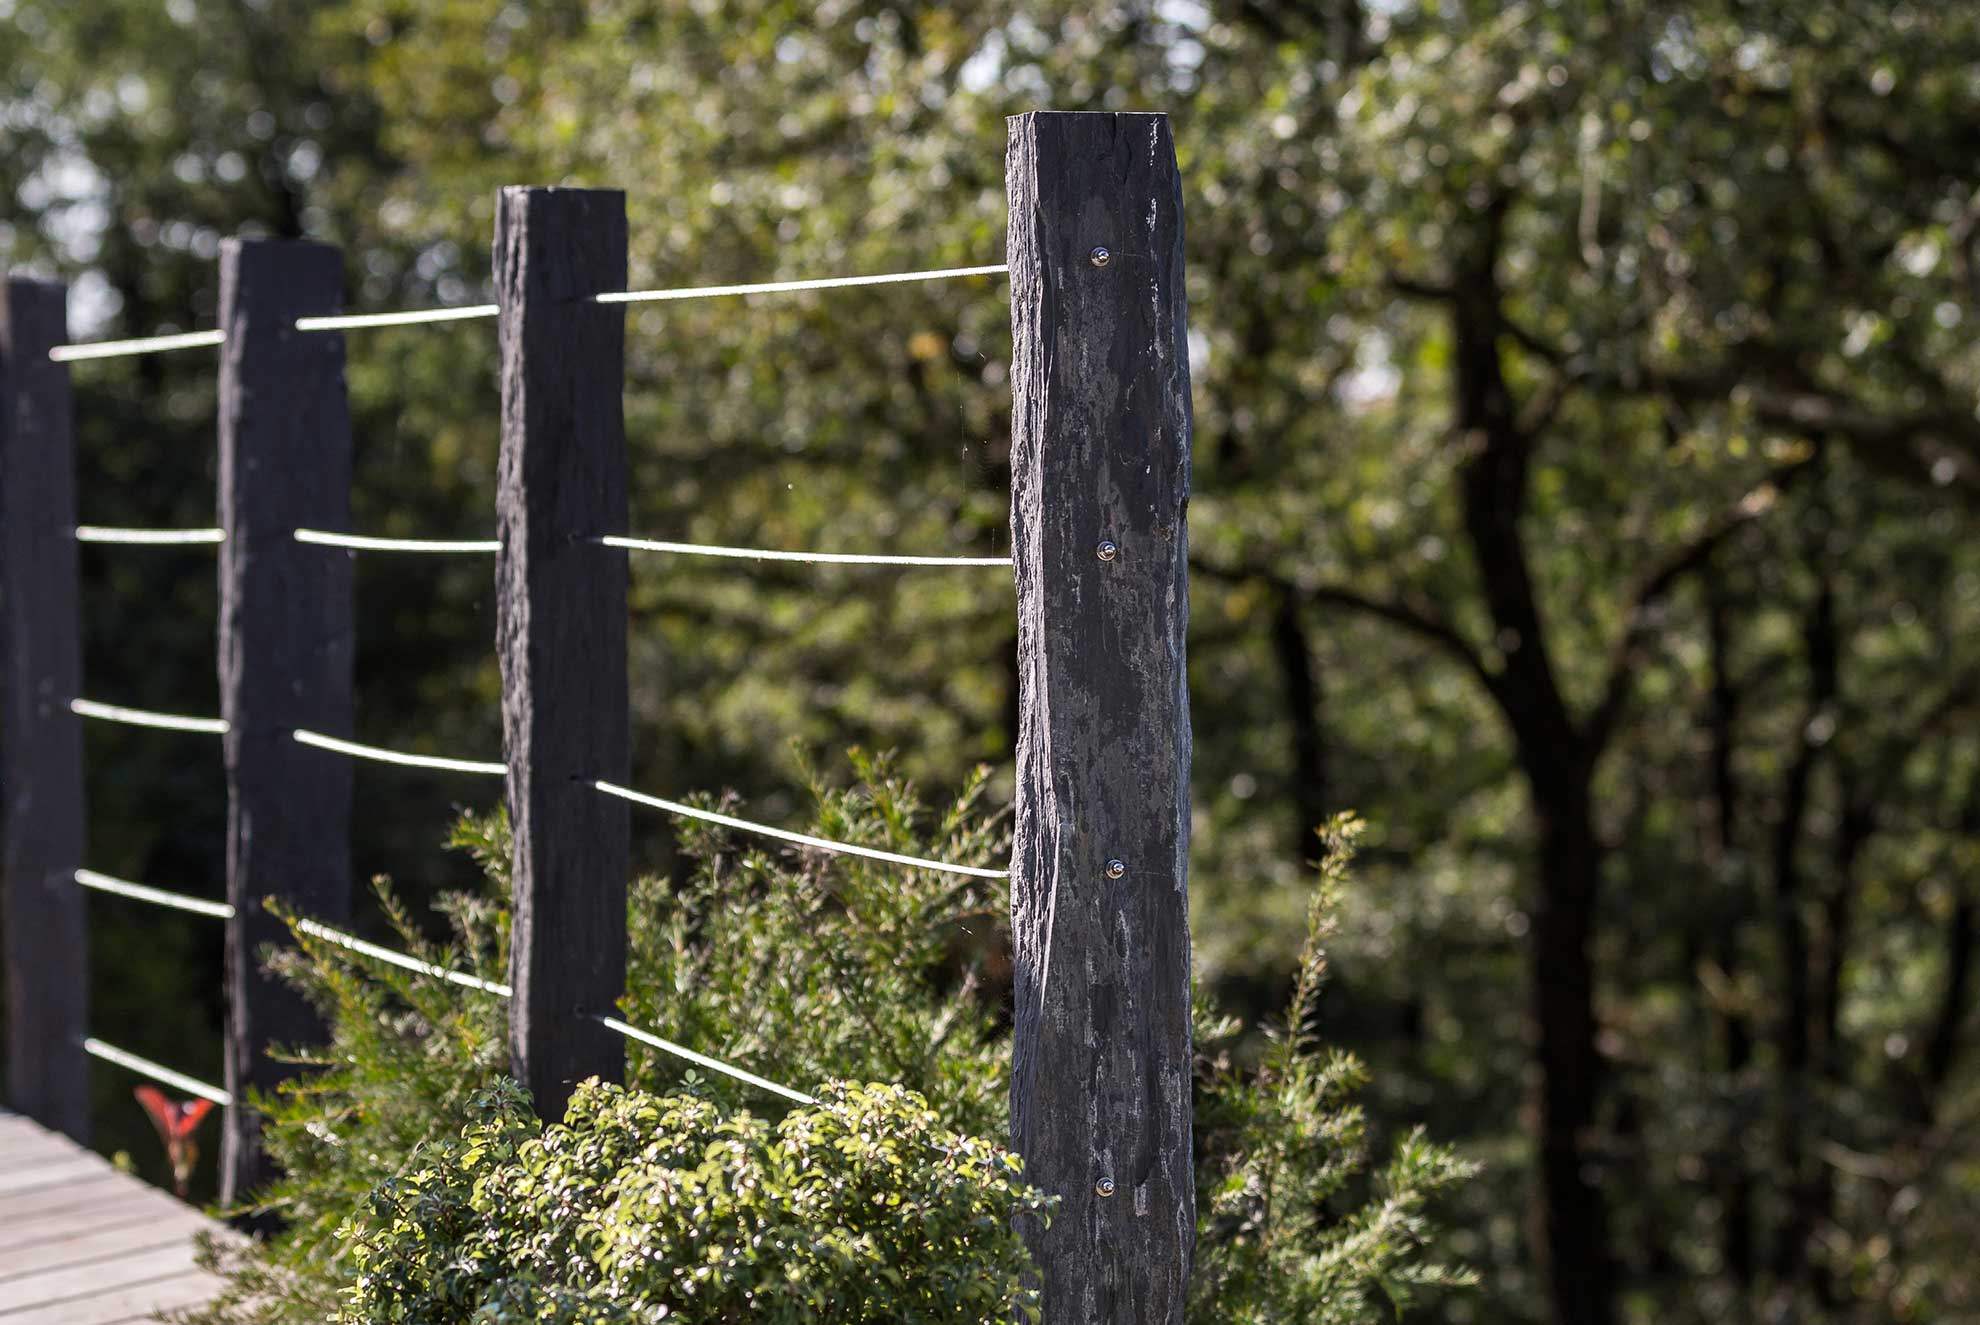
<point x="1116" y="868"/>
<point x="1104" y="1187"/>
<point x="1107" y="550"/>
<point x="1100" y="256"/>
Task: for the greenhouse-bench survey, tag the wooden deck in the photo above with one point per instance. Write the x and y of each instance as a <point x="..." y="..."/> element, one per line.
<point x="83" y="1244"/>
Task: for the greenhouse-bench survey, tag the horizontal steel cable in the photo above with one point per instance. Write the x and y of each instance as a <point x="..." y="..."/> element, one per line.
<point x="788" y="287"/>
<point x="361" y="543"/>
<point x="401" y="960"/>
<point x="765" y="554"/>
<point x="156" y="896"/>
<point x="414" y="317"/>
<point x="96" y="533"/>
<point x="89" y="708"/>
<point x="383" y="756"/>
<point x="352" y="943"/>
<point x="117" y="349"/>
<point x="158" y="1072"/>
<point x="467" y="312"/>
<point x="802" y="839"/>
<point x="653" y="1041"/>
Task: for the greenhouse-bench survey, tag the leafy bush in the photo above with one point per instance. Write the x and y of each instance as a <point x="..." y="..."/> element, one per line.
<point x="641" y="1208"/>
<point x="802" y="968"/>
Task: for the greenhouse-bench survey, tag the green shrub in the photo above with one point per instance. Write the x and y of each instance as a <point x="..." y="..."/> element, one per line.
<point x="1291" y="1228"/>
<point x="641" y="1208"/>
<point x="803" y="968"/>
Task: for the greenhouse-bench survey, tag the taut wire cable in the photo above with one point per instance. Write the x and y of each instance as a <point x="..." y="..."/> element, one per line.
<point x="96" y="533"/>
<point x="414" y="317"/>
<point x="468" y="312"/>
<point x="375" y="753"/>
<point x="352" y="943"/>
<point x="789" y="287"/>
<point x="765" y="554"/>
<point x="156" y="896"/>
<point x="361" y="543"/>
<point x="401" y="960"/>
<point x="653" y="1041"/>
<point x="117" y="349"/>
<point x="89" y="708"/>
<point x="158" y="1072"/>
<point x="801" y="839"/>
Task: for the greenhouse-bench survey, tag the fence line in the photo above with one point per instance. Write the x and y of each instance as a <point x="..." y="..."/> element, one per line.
<point x="118" y="349"/>
<point x="89" y="708"/>
<point x="404" y="962"/>
<point x="96" y="533"/>
<point x="410" y="318"/>
<point x="801" y="839"/>
<point x="156" y="896"/>
<point x="401" y="960"/>
<point x="362" y="543"/>
<point x="378" y="754"/>
<point x="788" y="287"/>
<point x="766" y="554"/>
<point x="158" y="1072"/>
<point x="667" y="1046"/>
<point x="111" y="349"/>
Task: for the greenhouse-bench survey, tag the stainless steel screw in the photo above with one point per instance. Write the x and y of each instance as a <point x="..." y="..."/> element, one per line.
<point x="1099" y="257"/>
<point x="1104" y="1187"/>
<point x="1116" y="868"/>
<point x="1107" y="550"/>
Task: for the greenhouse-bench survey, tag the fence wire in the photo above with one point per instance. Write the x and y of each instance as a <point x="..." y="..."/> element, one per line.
<point x="158" y="1072"/>
<point x="352" y="943"/>
<point x="96" y="533"/>
<point x="801" y="839"/>
<point x="156" y="896"/>
<point x="130" y="717"/>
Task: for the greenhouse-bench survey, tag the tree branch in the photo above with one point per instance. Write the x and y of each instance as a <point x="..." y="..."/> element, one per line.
<point x="1627" y="654"/>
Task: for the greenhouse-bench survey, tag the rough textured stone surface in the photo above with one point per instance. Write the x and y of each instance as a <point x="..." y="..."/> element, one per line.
<point x="47" y="952"/>
<point x="287" y="640"/>
<point x="1100" y="452"/>
<point x="561" y="604"/>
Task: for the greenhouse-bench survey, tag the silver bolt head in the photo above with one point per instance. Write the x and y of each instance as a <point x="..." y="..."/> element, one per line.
<point x="1107" y="550"/>
<point x="1099" y="257"/>
<point x="1104" y="1187"/>
<point x="1116" y="868"/>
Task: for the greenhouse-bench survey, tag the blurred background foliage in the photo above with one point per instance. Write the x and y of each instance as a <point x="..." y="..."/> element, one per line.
<point x="1587" y="463"/>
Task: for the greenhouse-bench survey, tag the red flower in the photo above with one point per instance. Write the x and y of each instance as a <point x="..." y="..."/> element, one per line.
<point x="176" y="1121"/>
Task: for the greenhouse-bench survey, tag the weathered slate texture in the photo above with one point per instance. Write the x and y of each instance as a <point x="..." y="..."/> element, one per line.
<point x="561" y="617"/>
<point x="1100" y="1090"/>
<point x="286" y="647"/>
<point x="47" y="950"/>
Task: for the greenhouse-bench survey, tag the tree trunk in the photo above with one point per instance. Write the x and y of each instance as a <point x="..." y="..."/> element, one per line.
<point x="1572" y="1218"/>
<point x="1301" y="678"/>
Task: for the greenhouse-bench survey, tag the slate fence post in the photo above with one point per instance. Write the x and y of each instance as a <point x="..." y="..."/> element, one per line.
<point x="1100" y="1090"/>
<point x="286" y="649"/>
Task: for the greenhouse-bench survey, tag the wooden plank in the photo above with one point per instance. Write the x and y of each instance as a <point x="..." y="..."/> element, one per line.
<point x="68" y="1282"/>
<point x="102" y="1243"/>
<point x="103" y="1187"/>
<point x="286" y="648"/>
<point x="130" y="1204"/>
<point x="1100" y="1090"/>
<point x="561" y="620"/>
<point x="42" y="914"/>
<point x="138" y="1302"/>
<point x="45" y="1171"/>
